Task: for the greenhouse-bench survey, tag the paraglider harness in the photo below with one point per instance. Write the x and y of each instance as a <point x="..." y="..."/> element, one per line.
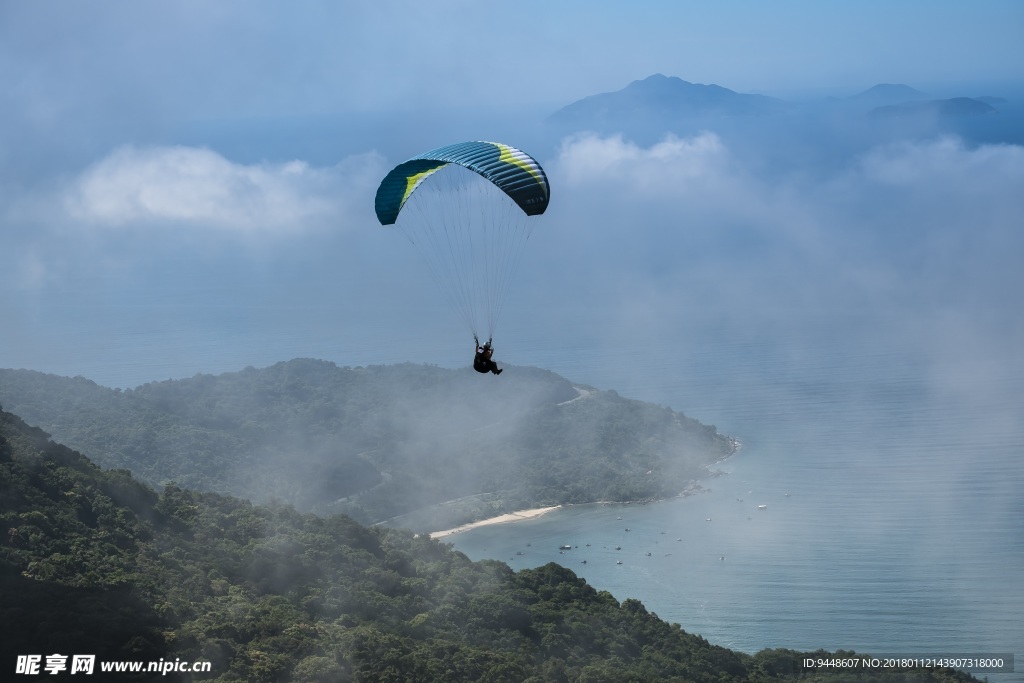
<point x="482" y="360"/>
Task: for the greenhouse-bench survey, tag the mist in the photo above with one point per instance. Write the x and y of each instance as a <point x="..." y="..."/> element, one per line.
<point x="643" y="248"/>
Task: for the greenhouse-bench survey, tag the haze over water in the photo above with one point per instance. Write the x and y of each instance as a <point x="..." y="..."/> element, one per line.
<point x="893" y="499"/>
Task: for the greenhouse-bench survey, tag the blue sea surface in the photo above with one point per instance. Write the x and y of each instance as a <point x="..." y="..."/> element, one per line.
<point x="875" y="505"/>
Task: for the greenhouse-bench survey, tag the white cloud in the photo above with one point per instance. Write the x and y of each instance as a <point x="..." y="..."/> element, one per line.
<point x="672" y="164"/>
<point x="185" y="187"/>
<point x="959" y="207"/>
<point x="947" y="160"/>
<point x="923" y="223"/>
<point x="937" y="186"/>
<point x="689" y="188"/>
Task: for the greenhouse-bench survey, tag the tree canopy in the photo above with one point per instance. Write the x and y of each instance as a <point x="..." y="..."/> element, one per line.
<point x="95" y="561"/>
<point x="378" y="442"/>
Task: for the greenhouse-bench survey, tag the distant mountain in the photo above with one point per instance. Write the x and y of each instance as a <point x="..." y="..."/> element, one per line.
<point x="379" y="442"/>
<point x="660" y="97"/>
<point x="887" y="93"/>
<point x="775" y="131"/>
<point x="956" y="107"/>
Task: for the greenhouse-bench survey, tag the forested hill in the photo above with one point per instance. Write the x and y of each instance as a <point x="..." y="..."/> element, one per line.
<point x="95" y="562"/>
<point x="378" y="442"/>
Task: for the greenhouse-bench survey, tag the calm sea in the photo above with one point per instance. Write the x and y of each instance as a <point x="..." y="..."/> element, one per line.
<point x="877" y="502"/>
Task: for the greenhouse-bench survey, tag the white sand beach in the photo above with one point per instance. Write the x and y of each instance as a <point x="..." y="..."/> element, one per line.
<point x="501" y="519"/>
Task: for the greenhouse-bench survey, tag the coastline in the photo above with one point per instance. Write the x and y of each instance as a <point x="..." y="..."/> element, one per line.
<point x="500" y="519"/>
<point x="692" y="489"/>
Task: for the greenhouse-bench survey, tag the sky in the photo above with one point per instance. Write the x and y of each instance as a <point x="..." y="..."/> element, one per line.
<point x="189" y="184"/>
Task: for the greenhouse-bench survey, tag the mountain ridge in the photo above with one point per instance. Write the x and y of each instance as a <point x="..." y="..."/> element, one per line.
<point x="660" y="95"/>
<point x="888" y="93"/>
<point x="952" y="107"/>
<point x="381" y="441"/>
<point x="646" y="109"/>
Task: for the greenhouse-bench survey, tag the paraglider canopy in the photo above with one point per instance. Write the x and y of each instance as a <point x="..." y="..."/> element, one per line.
<point x="469" y="208"/>
<point x="514" y="172"/>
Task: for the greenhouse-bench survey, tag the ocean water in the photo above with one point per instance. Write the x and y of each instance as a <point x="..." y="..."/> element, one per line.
<point x="876" y="504"/>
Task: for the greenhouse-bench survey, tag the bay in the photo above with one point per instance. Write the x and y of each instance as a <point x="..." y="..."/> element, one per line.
<point x="875" y="505"/>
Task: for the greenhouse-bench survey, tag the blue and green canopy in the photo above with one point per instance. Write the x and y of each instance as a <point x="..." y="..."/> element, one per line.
<point x="516" y="173"/>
